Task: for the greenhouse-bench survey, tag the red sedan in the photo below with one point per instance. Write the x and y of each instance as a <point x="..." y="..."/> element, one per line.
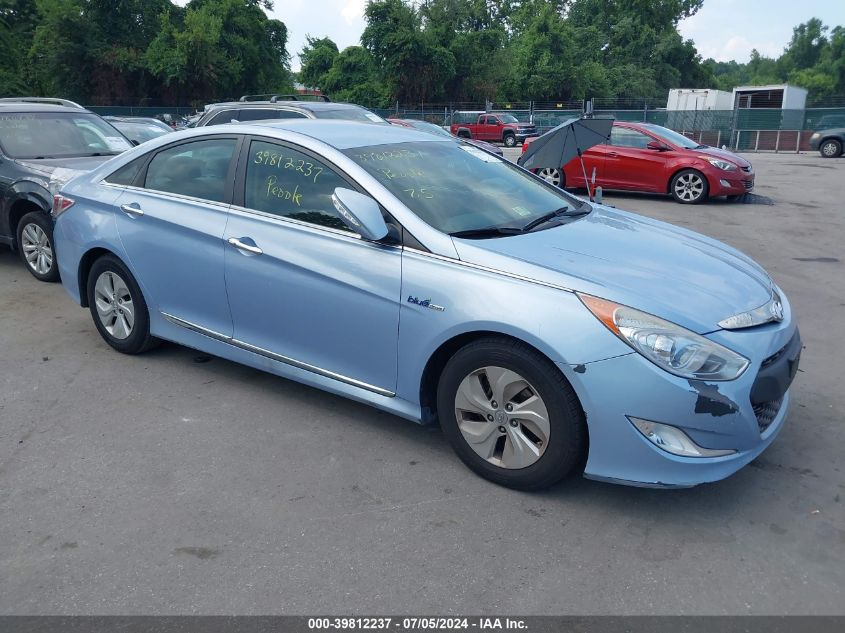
<point x="651" y="158"/>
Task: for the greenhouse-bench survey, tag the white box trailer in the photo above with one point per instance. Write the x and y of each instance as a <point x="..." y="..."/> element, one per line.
<point x="698" y="99"/>
<point x="780" y="96"/>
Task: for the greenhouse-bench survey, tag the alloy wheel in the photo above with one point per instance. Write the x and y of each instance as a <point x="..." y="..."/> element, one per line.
<point x="502" y="417"/>
<point x="550" y="175"/>
<point x="115" y="307"/>
<point x="689" y="187"/>
<point x="830" y="149"/>
<point x="37" y="248"/>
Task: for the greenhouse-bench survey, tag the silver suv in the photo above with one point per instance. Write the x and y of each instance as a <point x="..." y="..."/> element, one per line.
<point x="248" y="108"/>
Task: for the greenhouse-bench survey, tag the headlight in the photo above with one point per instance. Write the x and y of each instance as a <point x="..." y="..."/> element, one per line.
<point x="722" y="164"/>
<point x="815" y="135"/>
<point x="669" y="346"/>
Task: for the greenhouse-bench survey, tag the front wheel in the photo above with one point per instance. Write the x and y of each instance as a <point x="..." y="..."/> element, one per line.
<point x="35" y="244"/>
<point x="689" y="187"/>
<point x="510" y="140"/>
<point x="510" y="415"/>
<point x="118" y="307"/>
<point x="831" y="148"/>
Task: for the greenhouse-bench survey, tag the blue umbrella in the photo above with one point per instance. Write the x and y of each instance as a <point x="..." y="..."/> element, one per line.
<point x="561" y="144"/>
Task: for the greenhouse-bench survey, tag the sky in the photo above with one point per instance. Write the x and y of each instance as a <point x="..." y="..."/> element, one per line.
<point x="722" y="29"/>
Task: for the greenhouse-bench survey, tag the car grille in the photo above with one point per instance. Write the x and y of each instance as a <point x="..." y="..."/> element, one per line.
<point x="748" y="184"/>
<point x="766" y="412"/>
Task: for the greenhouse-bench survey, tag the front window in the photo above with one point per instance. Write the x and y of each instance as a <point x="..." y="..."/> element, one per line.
<point x="36" y="135"/>
<point x="456" y="187"/>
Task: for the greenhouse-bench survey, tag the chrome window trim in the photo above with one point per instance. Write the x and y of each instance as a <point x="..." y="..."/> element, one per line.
<point x="274" y="356"/>
<point x="487" y="269"/>
<point x="222" y="205"/>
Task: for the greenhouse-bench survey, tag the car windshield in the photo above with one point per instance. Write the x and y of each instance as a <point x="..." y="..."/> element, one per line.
<point x="508" y="118"/>
<point x="350" y="114"/>
<point x="58" y="135"/>
<point x="672" y="137"/>
<point x="456" y="187"/>
<point x="141" y="132"/>
<point x="425" y="126"/>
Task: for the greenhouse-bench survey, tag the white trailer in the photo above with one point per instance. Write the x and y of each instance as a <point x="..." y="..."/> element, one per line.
<point x="698" y="99"/>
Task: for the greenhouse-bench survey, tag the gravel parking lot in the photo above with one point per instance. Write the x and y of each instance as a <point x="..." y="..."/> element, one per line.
<point x="178" y="483"/>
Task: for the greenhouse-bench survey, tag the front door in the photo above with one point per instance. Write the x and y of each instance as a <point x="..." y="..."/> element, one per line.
<point x="629" y="164"/>
<point x="302" y="286"/>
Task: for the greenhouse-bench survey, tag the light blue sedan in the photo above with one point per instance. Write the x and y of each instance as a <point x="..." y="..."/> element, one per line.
<point x="436" y="281"/>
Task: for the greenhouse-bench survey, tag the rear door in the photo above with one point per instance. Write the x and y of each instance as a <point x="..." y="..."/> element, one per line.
<point x="171" y="223"/>
<point x="629" y="164"/>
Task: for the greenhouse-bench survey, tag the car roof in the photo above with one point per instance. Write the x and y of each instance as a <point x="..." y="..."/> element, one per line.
<point x="313" y="106"/>
<point x="22" y="106"/>
<point x="347" y="134"/>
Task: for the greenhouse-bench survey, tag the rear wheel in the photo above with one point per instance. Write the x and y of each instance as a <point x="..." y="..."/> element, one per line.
<point x="509" y="140"/>
<point x="35" y="245"/>
<point x="510" y="415"/>
<point x="552" y="176"/>
<point x="831" y="148"/>
<point x="689" y="187"/>
<point x="118" y="307"/>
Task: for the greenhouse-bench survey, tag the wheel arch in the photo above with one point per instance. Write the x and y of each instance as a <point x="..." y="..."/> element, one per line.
<point x="85" y="264"/>
<point x="437" y="362"/>
<point x="21" y="204"/>
<point x="677" y="170"/>
<point x="463" y="132"/>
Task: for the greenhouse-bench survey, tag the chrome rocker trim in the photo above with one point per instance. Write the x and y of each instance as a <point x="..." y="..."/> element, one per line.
<point x="217" y="336"/>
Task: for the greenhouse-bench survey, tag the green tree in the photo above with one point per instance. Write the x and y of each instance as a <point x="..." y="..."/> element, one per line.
<point x="316" y="59"/>
<point x="353" y="77"/>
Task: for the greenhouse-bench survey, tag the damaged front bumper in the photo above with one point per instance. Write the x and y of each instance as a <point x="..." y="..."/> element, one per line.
<point x="742" y="416"/>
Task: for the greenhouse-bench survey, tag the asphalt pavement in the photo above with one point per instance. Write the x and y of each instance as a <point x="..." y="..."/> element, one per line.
<point x="177" y="483"/>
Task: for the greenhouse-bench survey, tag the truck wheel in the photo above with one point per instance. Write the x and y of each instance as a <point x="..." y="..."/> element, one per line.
<point x="510" y="140"/>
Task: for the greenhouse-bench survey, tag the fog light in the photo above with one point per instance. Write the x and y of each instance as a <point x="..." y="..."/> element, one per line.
<point x="673" y="440"/>
<point x="724" y="183"/>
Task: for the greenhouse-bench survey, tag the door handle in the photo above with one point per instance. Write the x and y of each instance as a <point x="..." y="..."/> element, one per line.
<point x="612" y="154"/>
<point x="132" y="209"/>
<point x="249" y="248"/>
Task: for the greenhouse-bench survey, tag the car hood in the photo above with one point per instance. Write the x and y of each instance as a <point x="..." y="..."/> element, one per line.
<point x="715" y="152"/>
<point x="665" y="270"/>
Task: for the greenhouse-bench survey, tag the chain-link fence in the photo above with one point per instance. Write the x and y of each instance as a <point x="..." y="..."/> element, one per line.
<point x="745" y="129"/>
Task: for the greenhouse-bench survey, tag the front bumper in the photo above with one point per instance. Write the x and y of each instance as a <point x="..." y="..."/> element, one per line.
<point x="715" y="415"/>
<point x="815" y="142"/>
<point x="731" y="183"/>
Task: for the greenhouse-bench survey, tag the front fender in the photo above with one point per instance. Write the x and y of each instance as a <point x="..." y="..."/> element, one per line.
<point x="23" y="191"/>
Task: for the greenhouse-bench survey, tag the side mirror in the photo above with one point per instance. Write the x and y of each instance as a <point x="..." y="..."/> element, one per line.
<point x="657" y="146"/>
<point x="360" y="213"/>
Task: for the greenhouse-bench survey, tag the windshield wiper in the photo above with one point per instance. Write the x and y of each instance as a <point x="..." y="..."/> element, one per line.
<point x="563" y="212"/>
<point x="487" y="231"/>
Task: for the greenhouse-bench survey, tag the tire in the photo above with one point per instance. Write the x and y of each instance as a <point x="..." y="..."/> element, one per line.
<point x="830" y="148"/>
<point x="522" y="453"/>
<point x="509" y="140"/>
<point x="552" y="176"/>
<point x="35" y="245"/>
<point x="689" y="186"/>
<point x="115" y="300"/>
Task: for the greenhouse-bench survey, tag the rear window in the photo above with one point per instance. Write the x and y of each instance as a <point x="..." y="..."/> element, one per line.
<point x="58" y="135"/>
<point x="350" y="114"/>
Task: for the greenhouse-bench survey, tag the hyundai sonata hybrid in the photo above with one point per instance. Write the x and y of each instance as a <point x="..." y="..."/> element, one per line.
<point x="545" y="333"/>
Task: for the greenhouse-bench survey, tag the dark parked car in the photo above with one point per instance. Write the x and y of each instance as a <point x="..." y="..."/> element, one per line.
<point x="829" y="142"/>
<point x="425" y="126"/>
<point x="283" y="107"/>
<point x="139" y="129"/>
<point x="44" y="143"/>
